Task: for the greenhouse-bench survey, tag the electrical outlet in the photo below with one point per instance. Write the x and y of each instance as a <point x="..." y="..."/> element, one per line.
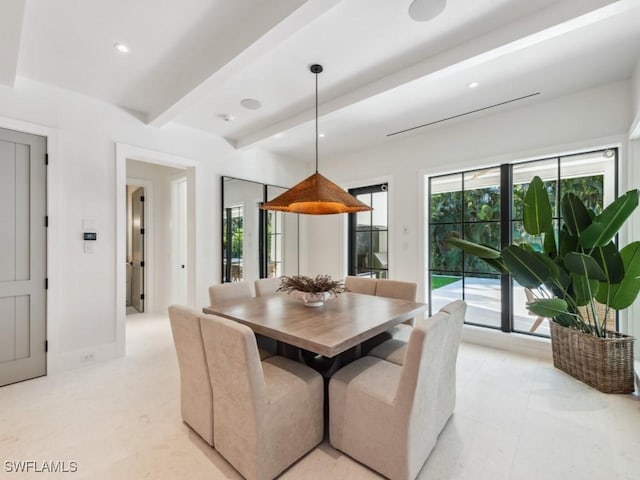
<point x="89" y="357"/>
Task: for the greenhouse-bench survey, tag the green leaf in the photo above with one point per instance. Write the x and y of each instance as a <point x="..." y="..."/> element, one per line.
<point x="497" y="264"/>
<point x="554" y="269"/>
<point x="548" y="307"/>
<point x="537" y="209"/>
<point x="471" y="248"/>
<point x="584" y="265"/>
<point x="575" y="214"/>
<point x="610" y="261"/>
<point x="623" y="294"/>
<point x="560" y="285"/>
<point x="549" y="243"/>
<point x="584" y="289"/>
<point x="568" y="243"/>
<point x="525" y="267"/>
<point x="566" y="320"/>
<point x="607" y="224"/>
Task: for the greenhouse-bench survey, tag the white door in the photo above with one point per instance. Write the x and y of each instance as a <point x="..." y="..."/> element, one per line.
<point x="179" y="241"/>
<point x="23" y="248"/>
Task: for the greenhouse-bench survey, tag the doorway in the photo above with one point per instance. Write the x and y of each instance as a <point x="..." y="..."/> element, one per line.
<point x="23" y="252"/>
<point x="135" y="248"/>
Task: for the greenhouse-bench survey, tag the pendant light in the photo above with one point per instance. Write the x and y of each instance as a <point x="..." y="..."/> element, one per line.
<point x="316" y="195"/>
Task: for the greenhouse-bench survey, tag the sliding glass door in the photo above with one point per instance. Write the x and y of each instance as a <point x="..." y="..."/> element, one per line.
<point x="485" y="206"/>
<point x="469" y="204"/>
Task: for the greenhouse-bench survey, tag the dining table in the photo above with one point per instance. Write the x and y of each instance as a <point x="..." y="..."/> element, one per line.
<point x="339" y="325"/>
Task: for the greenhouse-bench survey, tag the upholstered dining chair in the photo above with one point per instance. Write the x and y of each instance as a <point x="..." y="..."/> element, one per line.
<point x="266" y="286"/>
<point x="363" y="285"/>
<point x="196" y="400"/>
<point x="388" y="416"/>
<point x="399" y="290"/>
<point x="267" y="414"/>
<point x="394" y="350"/>
<point x="225" y="292"/>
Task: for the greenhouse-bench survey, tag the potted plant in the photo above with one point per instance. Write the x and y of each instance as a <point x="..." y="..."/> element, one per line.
<point x="312" y="292"/>
<point x="578" y="277"/>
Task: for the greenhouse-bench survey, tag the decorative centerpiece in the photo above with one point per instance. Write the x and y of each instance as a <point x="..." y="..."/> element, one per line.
<point x="312" y="292"/>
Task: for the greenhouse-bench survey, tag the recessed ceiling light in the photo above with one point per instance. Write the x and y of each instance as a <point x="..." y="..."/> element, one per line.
<point x="473" y="85"/>
<point x="321" y="135"/>
<point x="250" y="104"/>
<point x="121" y="47"/>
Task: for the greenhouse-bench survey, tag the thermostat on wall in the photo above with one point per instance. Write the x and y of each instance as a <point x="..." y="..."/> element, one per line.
<point x="90" y="236"/>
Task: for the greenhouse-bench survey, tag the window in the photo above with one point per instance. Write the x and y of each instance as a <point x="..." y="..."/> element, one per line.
<point x="232" y="243"/>
<point x="485" y="206"/>
<point x="369" y="234"/>
<point x="274" y="244"/>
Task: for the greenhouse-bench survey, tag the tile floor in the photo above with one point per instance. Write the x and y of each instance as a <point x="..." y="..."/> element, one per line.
<point x="516" y="418"/>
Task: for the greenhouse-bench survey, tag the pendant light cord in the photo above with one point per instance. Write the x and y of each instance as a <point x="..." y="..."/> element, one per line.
<point x="316" y="123"/>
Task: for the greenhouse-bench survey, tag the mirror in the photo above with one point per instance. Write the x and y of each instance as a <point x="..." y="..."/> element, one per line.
<point x="255" y="243"/>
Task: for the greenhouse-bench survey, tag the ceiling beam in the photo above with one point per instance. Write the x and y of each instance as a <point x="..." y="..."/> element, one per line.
<point x="269" y="24"/>
<point x="544" y="25"/>
<point x="11" y="28"/>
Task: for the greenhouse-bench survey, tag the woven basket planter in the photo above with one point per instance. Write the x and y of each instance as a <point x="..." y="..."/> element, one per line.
<point x="603" y="363"/>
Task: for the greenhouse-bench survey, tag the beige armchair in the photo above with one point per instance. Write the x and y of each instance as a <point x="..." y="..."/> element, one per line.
<point x="225" y="292"/>
<point x="363" y="285"/>
<point x="268" y="414"/>
<point x="196" y="401"/>
<point x="266" y="286"/>
<point x="389" y="416"/>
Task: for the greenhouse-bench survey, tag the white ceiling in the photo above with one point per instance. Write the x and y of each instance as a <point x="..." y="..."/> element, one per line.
<point x="193" y="60"/>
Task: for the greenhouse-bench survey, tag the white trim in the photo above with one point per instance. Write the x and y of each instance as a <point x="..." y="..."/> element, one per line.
<point x="124" y="152"/>
<point x="511" y="342"/>
<point x="149" y="240"/>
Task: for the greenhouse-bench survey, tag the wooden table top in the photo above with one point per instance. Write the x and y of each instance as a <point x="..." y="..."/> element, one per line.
<point x="340" y="324"/>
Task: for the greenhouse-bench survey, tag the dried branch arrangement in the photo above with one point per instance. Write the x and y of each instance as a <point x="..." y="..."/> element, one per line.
<point x="321" y="283"/>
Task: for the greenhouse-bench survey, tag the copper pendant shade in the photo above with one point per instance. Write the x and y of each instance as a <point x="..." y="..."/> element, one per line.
<point x="316" y="195"/>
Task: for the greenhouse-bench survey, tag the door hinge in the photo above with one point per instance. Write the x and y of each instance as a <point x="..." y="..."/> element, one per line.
<point x="46" y="159"/>
<point x="142" y="198"/>
<point x="46" y="284"/>
<point x="142" y="231"/>
<point x="46" y="346"/>
<point x="46" y="221"/>
<point x="142" y="296"/>
<point x="142" y="264"/>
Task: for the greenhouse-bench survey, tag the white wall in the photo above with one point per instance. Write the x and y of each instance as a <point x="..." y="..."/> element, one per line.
<point x="582" y="120"/>
<point x="635" y="91"/>
<point x="83" y="133"/>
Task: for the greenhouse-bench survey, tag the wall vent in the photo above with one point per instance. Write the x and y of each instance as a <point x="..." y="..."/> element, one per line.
<point x="464" y="114"/>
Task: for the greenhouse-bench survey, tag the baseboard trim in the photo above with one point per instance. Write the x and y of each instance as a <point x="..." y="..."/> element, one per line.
<point x="59" y="362"/>
<point x="513" y="342"/>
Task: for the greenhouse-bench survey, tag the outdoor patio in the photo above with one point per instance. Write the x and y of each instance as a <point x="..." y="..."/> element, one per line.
<point x="483" y="303"/>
